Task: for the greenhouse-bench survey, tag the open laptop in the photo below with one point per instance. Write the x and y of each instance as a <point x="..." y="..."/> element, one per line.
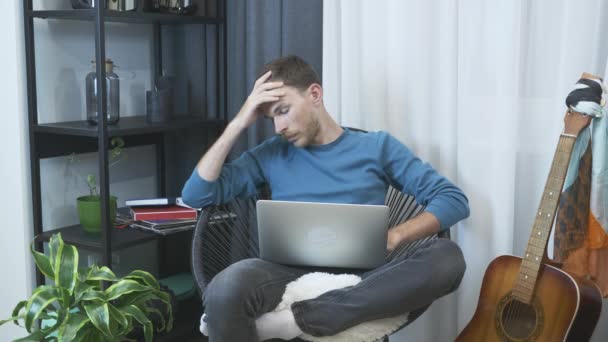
<point x="322" y="234"/>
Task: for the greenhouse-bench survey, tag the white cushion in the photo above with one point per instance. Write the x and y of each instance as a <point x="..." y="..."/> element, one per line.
<point x="312" y="285"/>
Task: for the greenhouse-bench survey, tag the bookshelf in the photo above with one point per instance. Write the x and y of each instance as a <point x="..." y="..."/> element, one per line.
<point x="53" y="139"/>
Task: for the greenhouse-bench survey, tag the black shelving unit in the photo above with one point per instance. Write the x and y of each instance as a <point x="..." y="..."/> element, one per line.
<point x="63" y="138"/>
<point x="126" y="17"/>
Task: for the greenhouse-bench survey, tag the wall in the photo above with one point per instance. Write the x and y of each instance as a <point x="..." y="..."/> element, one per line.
<point x="15" y="207"/>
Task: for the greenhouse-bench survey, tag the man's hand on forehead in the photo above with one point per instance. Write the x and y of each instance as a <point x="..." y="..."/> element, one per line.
<point x="269" y="109"/>
<point x="263" y="94"/>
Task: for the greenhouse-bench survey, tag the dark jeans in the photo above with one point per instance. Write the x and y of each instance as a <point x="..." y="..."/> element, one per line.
<point x="249" y="288"/>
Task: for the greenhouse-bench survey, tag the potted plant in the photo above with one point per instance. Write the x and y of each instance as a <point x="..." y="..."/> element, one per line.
<point x="89" y="206"/>
<point x="78" y="308"/>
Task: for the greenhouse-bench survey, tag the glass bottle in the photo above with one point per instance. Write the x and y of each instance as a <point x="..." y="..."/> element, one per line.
<point x="112" y="94"/>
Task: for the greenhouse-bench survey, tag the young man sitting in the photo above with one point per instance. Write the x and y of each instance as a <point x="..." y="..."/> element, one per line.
<point x="314" y="159"/>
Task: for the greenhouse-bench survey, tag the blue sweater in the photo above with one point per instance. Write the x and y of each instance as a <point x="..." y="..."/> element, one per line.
<point x="355" y="168"/>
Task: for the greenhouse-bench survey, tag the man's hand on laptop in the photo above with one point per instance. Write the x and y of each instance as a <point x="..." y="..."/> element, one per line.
<point x="262" y="94"/>
<point x="416" y="228"/>
<point x="395" y="237"/>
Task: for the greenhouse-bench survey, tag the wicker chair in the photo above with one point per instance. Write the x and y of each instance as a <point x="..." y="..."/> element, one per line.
<point x="227" y="233"/>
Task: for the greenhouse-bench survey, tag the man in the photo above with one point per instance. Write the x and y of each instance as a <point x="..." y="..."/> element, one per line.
<point x="313" y="159"/>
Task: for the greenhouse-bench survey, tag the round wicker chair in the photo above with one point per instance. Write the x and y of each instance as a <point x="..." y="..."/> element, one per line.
<point x="227" y="233"/>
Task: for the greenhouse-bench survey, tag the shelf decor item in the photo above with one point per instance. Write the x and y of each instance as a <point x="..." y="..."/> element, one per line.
<point x="89" y="212"/>
<point x="77" y="307"/>
<point x="89" y="206"/>
<point x="83" y="4"/>
<point x="121" y="5"/>
<point x="112" y="94"/>
<point x="159" y="101"/>
<point x="185" y="7"/>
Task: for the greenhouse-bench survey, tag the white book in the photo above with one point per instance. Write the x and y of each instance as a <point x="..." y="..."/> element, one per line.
<point x="142" y="202"/>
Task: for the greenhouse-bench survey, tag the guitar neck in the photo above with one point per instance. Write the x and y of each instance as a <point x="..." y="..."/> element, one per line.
<point x="533" y="258"/>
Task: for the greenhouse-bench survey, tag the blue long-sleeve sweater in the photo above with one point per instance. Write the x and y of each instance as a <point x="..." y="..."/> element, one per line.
<point x="356" y="168"/>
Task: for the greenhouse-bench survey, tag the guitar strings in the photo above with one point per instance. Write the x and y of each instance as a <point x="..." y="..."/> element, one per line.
<point x="586" y="98"/>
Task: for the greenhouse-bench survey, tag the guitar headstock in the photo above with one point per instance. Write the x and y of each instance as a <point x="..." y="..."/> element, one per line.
<point x="574" y="122"/>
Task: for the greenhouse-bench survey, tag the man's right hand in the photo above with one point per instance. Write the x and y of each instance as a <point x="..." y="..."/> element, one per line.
<point x="210" y="165"/>
<point x="263" y="92"/>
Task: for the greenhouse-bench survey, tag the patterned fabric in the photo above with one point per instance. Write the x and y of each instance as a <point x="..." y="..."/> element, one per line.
<point x="581" y="241"/>
<point x="571" y="225"/>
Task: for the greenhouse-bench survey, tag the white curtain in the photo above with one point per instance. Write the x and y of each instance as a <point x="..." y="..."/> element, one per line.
<point x="476" y="88"/>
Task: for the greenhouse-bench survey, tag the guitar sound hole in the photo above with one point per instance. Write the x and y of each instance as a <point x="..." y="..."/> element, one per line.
<point x="519" y="320"/>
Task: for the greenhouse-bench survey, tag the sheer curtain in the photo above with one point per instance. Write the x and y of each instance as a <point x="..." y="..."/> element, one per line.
<point x="477" y="89"/>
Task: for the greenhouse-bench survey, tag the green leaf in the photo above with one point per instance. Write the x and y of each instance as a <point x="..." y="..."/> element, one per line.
<point x="66" y="267"/>
<point x="42" y="297"/>
<point x="117" y="142"/>
<point x="103" y="273"/>
<point x="160" y="316"/>
<point x="87" y="333"/>
<point x="100" y="317"/>
<point x="117" y="145"/>
<point x="166" y="299"/>
<point x="140" y="317"/>
<point x="92" y="183"/>
<point x="118" y="316"/>
<point x="144" y="277"/>
<point x="16" y="311"/>
<point x="83" y="273"/>
<point x="139" y="298"/>
<point x="36" y="336"/>
<point x="66" y="297"/>
<point x="75" y="322"/>
<point x="135" y="298"/>
<point x="43" y="262"/>
<point x="12" y="319"/>
<point x="81" y="289"/>
<point x="94" y="296"/>
<point x="123" y="287"/>
<point x="54" y="244"/>
<point x="64" y="314"/>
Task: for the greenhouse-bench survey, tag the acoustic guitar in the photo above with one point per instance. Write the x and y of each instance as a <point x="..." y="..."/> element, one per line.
<point x="528" y="299"/>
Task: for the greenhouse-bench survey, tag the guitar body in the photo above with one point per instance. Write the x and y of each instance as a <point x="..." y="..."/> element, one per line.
<point x="564" y="308"/>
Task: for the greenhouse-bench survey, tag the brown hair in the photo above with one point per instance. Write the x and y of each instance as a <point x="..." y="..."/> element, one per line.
<point x="293" y="71"/>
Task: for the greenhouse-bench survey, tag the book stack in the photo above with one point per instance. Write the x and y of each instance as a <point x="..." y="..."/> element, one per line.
<point x="160" y="215"/>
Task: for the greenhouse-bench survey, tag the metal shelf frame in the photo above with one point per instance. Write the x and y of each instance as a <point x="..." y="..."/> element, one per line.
<point x="54" y="139"/>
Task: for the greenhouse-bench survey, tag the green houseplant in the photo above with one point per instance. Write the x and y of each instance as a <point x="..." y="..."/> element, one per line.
<point x="89" y="206"/>
<point x="80" y="309"/>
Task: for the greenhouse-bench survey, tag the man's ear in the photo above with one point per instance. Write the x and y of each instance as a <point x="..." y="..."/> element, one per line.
<point x="315" y="92"/>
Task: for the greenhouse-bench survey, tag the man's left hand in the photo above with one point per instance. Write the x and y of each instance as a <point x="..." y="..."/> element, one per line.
<point x="418" y="227"/>
<point x="394" y="238"/>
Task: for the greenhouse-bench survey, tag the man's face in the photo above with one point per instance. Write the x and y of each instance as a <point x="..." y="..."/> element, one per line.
<point x="294" y="117"/>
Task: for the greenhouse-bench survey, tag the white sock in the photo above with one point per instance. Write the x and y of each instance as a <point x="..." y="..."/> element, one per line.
<point x="203" y="326"/>
<point x="279" y="324"/>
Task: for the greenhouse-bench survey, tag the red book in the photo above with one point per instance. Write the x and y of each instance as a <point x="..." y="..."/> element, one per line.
<point x="162" y="213"/>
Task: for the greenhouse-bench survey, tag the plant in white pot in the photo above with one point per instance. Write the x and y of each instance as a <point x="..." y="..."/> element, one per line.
<point x="76" y="307"/>
<point x="89" y="206"/>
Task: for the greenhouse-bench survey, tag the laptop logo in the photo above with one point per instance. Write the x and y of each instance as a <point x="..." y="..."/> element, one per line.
<point x="320" y="236"/>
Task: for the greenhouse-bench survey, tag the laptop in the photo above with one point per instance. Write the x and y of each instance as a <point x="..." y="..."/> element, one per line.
<point x="322" y="234"/>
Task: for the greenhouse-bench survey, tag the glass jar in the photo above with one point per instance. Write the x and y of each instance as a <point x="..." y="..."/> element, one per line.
<point x="112" y="94"/>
